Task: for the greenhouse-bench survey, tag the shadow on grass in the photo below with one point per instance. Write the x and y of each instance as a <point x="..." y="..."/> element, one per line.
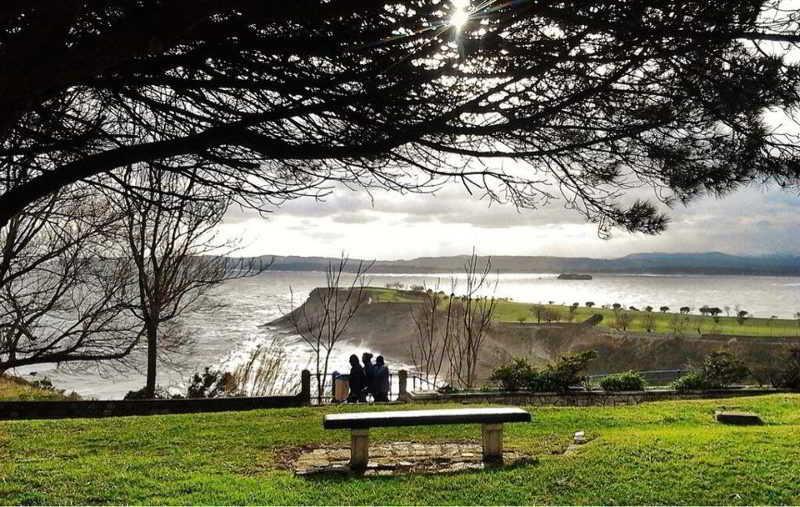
<point x="428" y="467"/>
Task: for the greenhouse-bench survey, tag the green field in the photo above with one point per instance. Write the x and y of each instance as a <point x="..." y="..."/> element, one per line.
<point x="667" y="452"/>
<point x="513" y="311"/>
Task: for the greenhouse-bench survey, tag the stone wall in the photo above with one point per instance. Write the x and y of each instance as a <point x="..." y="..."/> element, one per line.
<point x="115" y="408"/>
<point x="582" y="399"/>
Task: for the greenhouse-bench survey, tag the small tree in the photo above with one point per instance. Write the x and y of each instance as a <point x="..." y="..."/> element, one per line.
<point x="741" y="316"/>
<point x="551" y="314"/>
<point x="538" y="311"/>
<point x="678" y="324"/>
<point x="685" y="310"/>
<point x="721" y="369"/>
<point x="477" y="313"/>
<point x="649" y="321"/>
<point x="436" y="322"/>
<point x="664" y="309"/>
<point x="590" y="304"/>
<point x="169" y="241"/>
<point x="623" y="320"/>
<point x="571" y="312"/>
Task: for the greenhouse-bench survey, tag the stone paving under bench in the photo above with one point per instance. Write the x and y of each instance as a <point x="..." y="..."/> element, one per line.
<point x="396" y="458"/>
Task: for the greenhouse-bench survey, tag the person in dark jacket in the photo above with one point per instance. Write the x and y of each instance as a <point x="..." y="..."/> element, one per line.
<point x="369" y="373"/>
<point x="382" y="383"/>
<point x="357" y="381"/>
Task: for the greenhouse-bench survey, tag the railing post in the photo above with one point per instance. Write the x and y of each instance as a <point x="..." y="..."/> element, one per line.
<point x="402" y="385"/>
<point x="305" y="387"/>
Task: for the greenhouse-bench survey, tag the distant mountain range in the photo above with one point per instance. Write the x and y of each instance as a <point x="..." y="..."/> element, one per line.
<point x="656" y="263"/>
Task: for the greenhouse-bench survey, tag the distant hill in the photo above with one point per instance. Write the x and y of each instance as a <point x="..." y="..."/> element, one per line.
<point x="655" y="263"/>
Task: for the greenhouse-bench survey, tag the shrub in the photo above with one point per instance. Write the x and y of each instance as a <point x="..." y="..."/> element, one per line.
<point x="209" y="384"/>
<point x="625" y="381"/>
<point x="788" y="376"/>
<point x="692" y="381"/>
<point x="563" y="374"/>
<point x="719" y="370"/>
<point x="555" y="377"/>
<point x="513" y="376"/>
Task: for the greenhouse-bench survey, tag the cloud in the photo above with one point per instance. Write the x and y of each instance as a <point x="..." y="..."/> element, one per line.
<point x="390" y="225"/>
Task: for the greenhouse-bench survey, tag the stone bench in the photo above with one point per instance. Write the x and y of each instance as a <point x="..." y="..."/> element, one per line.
<point x="490" y="419"/>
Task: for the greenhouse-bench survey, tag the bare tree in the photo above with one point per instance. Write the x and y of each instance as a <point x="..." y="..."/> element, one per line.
<point x="623" y="319"/>
<point x="435" y="323"/>
<point x="62" y="293"/>
<point x="475" y="313"/>
<point x="170" y="243"/>
<point x="649" y="320"/>
<point x="322" y="320"/>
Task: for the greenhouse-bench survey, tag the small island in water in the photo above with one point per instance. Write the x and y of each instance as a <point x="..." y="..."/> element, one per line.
<point x="574" y="276"/>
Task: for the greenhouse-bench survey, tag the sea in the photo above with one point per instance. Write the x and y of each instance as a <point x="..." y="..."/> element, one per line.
<point x="225" y="333"/>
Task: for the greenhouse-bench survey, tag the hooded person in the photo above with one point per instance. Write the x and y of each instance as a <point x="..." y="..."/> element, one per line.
<point x="382" y="380"/>
<point x="357" y="381"/>
<point x="369" y="373"/>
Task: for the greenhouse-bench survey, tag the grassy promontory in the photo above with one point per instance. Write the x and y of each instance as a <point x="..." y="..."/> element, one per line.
<point x="656" y="453"/>
<point x="15" y="388"/>
<point x="663" y="322"/>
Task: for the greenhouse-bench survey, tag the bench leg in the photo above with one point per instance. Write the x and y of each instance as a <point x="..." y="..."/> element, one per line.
<point x="492" y="436"/>
<point x="359" y="449"/>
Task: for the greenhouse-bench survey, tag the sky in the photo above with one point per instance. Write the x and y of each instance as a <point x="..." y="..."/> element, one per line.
<point x="752" y="221"/>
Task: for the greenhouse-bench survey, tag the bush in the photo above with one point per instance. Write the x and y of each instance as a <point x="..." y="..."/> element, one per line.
<point x="563" y="374"/>
<point x="692" y="381"/>
<point x="209" y="384"/>
<point x="789" y="375"/>
<point x="719" y="370"/>
<point x="555" y="377"/>
<point x="513" y="376"/>
<point x="625" y="381"/>
<point x="160" y="394"/>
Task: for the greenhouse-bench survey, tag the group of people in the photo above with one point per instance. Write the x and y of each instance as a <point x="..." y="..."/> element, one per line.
<point x="371" y="379"/>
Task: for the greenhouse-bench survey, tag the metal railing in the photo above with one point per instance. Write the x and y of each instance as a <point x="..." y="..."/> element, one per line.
<point x="414" y="381"/>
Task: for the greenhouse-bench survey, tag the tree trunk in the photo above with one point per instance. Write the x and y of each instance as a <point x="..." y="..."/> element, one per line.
<point x="152" y="356"/>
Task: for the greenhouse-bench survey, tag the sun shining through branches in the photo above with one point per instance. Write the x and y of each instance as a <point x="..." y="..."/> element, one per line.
<point x="460" y="14"/>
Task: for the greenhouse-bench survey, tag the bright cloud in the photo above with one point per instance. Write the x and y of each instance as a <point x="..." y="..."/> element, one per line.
<point x="392" y="226"/>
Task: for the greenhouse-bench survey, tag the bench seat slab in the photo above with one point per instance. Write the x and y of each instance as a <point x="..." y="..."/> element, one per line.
<point x="363" y="420"/>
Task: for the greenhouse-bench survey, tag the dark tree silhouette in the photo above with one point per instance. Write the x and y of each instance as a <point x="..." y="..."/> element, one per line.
<point x="63" y="294"/>
<point x="276" y="99"/>
<point x="741" y="316"/>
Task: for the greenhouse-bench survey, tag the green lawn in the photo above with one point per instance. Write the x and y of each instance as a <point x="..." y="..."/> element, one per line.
<point x="513" y="311"/>
<point x="668" y="452"/>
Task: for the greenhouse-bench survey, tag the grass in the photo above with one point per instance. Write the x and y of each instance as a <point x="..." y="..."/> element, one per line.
<point x="14" y="388"/>
<point x="657" y="453"/>
<point x="513" y="311"/>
